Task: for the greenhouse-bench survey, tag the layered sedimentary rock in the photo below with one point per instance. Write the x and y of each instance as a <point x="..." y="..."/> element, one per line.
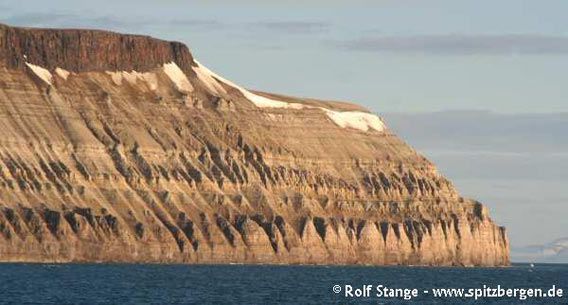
<point x="124" y="148"/>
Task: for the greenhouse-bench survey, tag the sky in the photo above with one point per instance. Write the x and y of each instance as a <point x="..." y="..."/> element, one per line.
<point x="485" y="72"/>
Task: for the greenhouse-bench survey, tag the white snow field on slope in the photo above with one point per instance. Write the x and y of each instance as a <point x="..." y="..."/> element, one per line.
<point x="41" y="72"/>
<point x="133" y="76"/>
<point x="177" y="76"/>
<point x="346" y="119"/>
<point x="205" y="76"/>
<point x="62" y="73"/>
<point x="355" y="119"/>
<point x="259" y="101"/>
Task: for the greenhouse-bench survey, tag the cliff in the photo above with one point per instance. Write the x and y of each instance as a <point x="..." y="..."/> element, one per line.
<point x="124" y="148"/>
<point x="88" y="50"/>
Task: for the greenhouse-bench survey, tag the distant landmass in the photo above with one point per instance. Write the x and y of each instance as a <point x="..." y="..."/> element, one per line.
<point x="553" y="252"/>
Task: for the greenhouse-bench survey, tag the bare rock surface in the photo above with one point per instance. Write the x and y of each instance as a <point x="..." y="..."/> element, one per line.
<point x="120" y="148"/>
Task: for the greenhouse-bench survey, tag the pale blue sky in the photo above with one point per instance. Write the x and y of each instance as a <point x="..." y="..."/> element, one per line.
<point x="404" y="56"/>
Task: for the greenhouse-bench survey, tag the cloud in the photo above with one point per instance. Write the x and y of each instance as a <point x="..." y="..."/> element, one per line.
<point x="56" y="19"/>
<point x="133" y="24"/>
<point x="85" y="20"/>
<point x="483" y="131"/>
<point x="291" y="27"/>
<point x="511" y="44"/>
<point x="202" y="23"/>
<point x="34" y="19"/>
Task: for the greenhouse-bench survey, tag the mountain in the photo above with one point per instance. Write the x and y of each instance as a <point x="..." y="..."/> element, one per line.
<point x="552" y="252"/>
<point x="123" y="148"/>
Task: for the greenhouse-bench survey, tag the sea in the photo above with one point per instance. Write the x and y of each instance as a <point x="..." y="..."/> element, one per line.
<point x="62" y="284"/>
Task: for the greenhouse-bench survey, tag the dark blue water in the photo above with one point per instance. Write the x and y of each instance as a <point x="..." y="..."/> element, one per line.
<point x="22" y="284"/>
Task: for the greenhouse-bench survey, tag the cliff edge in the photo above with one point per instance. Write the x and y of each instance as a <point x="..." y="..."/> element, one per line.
<point x="124" y="148"/>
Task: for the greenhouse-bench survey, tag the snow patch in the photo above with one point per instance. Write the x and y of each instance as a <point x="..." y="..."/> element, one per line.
<point x="132" y="77"/>
<point x="216" y="76"/>
<point x="116" y="77"/>
<point x="177" y="76"/>
<point x="259" y="101"/>
<point x="356" y="119"/>
<point x="265" y="102"/>
<point x="151" y="79"/>
<point x="206" y="77"/>
<point x="62" y="73"/>
<point x="346" y="119"/>
<point x="41" y="72"/>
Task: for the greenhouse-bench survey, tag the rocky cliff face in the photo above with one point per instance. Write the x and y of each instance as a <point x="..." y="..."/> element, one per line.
<point x="124" y="148"/>
<point x="80" y="50"/>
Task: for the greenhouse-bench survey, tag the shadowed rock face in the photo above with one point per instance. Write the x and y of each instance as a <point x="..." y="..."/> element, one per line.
<point x="88" y="50"/>
<point x="100" y="165"/>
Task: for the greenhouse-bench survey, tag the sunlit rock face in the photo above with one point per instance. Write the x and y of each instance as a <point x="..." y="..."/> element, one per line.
<point x="122" y="148"/>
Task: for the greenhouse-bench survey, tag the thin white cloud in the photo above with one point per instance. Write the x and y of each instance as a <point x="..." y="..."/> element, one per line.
<point x="57" y="19"/>
<point x="291" y="27"/>
<point x="509" y="44"/>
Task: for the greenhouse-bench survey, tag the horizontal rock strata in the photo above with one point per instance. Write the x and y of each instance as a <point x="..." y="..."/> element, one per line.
<point x="103" y="163"/>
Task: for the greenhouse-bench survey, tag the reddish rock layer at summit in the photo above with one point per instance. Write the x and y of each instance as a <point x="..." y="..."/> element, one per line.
<point x="121" y="148"/>
<point x="88" y="50"/>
